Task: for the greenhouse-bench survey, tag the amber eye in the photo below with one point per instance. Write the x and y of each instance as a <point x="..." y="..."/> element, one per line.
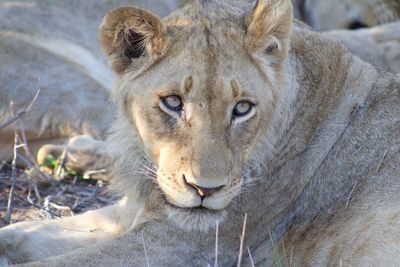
<point x="173" y="103"/>
<point x="242" y="109"/>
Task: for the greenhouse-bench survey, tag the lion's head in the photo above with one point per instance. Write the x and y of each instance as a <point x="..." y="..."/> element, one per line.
<point x="197" y="93"/>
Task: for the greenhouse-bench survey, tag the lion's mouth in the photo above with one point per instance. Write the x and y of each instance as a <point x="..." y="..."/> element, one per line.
<point x="198" y="209"/>
<point x="197" y="218"/>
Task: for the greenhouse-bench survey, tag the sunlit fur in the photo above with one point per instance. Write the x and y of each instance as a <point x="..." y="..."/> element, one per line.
<point x="207" y="146"/>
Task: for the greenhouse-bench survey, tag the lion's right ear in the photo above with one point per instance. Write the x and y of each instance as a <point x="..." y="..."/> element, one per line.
<point x="269" y="27"/>
<point x="127" y="33"/>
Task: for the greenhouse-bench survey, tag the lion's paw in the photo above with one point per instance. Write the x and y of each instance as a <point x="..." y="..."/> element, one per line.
<point x="83" y="154"/>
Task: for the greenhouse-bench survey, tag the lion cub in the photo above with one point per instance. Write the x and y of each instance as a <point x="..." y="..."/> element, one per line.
<point x="225" y="110"/>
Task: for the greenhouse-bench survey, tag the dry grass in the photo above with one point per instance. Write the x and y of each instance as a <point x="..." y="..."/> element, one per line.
<point x="28" y="193"/>
<point x="37" y="200"/>
<point x="34" y="199"/>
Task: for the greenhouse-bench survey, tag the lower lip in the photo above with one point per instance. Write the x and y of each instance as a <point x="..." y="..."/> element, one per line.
<point x="194" y="209"/>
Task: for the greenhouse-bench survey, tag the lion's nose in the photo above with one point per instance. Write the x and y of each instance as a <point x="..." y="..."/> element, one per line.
<point x="203" y="192"/>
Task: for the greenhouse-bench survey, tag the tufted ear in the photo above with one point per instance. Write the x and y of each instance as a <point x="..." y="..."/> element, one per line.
<point x="127" y="33"/>
<point x="269" y="26"/>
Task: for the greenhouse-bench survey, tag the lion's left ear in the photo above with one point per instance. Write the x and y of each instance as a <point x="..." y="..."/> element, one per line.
<point x="128" y="33"/>
<point x="269" y="27"/>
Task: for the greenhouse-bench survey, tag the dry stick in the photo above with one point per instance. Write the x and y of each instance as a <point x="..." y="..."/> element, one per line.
<point x="30" y="162"/>
<point x="20" y="112"/>
<point x="38" y="207"/>
<point x="29" y="196"/>
<point x="61" y="162"/>
<point x="242" y="241"/>
<point x="275" y="249"/>
<point x="380" y="162"/>
<point x="351" y="192"/>
<point x="10" y="203"/>
<point x="216" y="245"/>
<point x="2" y="164"/>
<point x="251" y="258"/>
<point x="24" y="140"/>
<point x="145" y="251"/>
<point x="291" y="257"/>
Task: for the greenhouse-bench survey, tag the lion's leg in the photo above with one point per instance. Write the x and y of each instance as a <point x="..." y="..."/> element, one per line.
<point x="29" y="241"/>
<point x="156" y="244"/>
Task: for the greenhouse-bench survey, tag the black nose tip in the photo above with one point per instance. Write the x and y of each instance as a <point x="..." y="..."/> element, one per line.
<point x="203" y="192"/>
<point x="355" y="25"/>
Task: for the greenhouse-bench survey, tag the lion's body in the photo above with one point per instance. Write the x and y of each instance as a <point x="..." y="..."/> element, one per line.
<point x="318" y="161"/>
<point x="346" y="14"/>
<point x="370" y="29"/>
<point x="379" y="45"/>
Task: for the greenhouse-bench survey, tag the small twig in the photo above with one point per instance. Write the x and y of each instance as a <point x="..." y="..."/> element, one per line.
<point x="216" y="244"/>
<point x="37" y="193"/>
<point x="380" y="162"/>
<point x="35" y="189"/>
<point x="76" y="203"/>
<point x="250" y="257"/>
<point x="20" y="112"/>
<point x="242" y="241"/>
<point x="351" y="192"/>
<point x="24" y="140"/>
<point x="291" y="257"/>
<point x="2" y="164"/>
<point x="145" y="251"/>
<point x="31" y="164"/>
<point x="275" y="249"/>
<point x="46" y="207"/>
<point x="39" y="207"/>
<point x="61" y="163"/>
<point x="13" y="181"/>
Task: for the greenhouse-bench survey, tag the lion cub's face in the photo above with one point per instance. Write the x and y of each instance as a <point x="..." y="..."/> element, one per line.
<point x="199" y="105"/>
<point x="199" y="123"/>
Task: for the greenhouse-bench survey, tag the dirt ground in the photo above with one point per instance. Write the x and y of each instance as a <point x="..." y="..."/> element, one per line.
<point x="38" y="199"/>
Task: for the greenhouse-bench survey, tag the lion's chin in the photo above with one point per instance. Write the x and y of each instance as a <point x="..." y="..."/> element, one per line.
<point x="195" y="219"/>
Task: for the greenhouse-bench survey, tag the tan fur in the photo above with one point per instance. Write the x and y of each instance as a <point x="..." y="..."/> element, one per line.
<point x="315" y="166"/>
<point x="342" y="14"/>
<point x="379" y="45"/>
